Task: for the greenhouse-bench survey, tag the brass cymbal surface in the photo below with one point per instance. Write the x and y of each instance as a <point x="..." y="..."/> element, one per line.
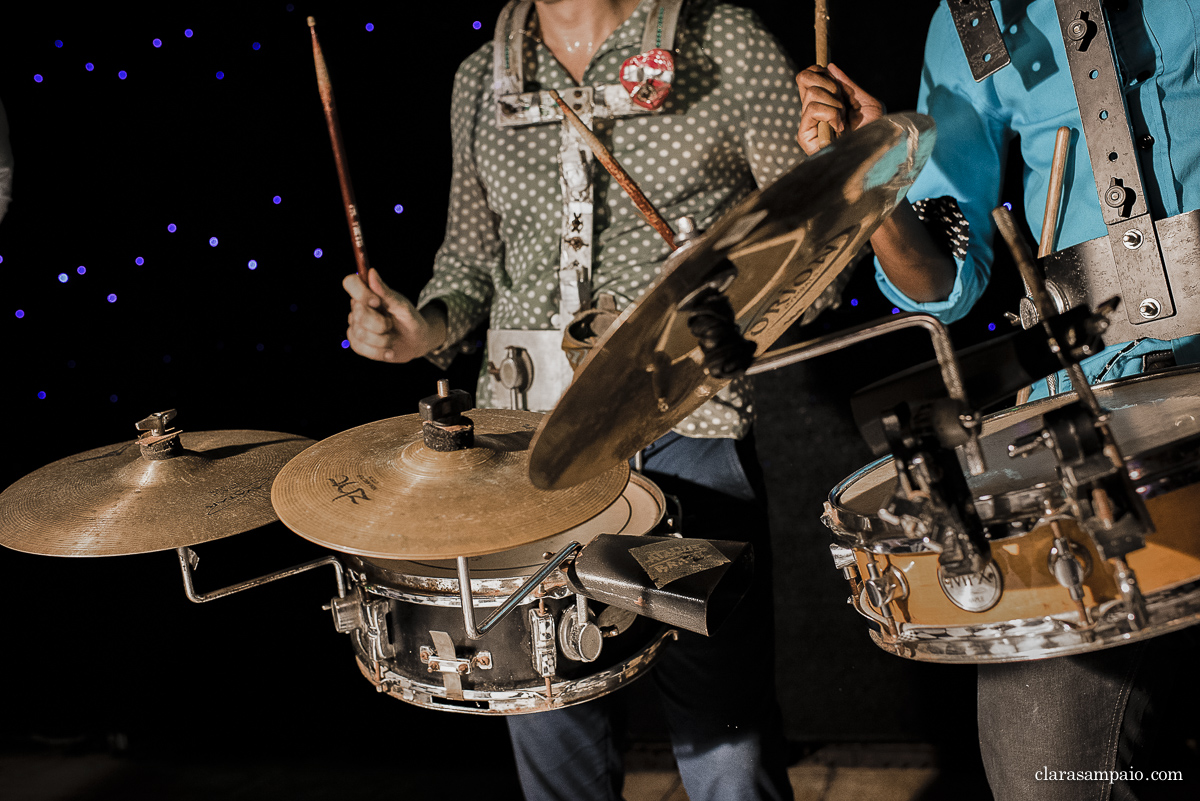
<point x="787" y="243"/>
<point x="379" y="491"/>
<point x="112" y="501"/>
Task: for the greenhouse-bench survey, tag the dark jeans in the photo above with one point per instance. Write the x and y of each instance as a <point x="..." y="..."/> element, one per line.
<point x="1127" y="709"/>
<point x="718" y="693"/>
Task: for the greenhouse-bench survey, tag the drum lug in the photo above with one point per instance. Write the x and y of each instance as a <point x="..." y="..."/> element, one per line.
<point x="542" y="641"/>
<point x="882" y="589"/>
<point x="379" y="643"/>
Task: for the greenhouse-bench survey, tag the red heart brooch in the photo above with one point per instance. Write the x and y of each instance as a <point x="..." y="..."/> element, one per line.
<point x="647" y="77"/>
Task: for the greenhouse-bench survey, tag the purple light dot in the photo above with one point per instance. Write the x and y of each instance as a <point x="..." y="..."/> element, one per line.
<point x="318" y="253"/>
<point x="1007" y="205"/>
<point x="260" y="347"/>
<point x="991" y="326"/>
<point x="220" y="76"/>
<point x="112" y="398"/>
<point x="122" y="75"/>
<point x="476" y="24"/>
<point x="171" y="227"/>
<point x="81" y="269"/>
<point x="370" y="26"/>
<point x="89" y="66"/>
<point x="853" y="301"/>
<point x="398" y="209"/>
<point x="187" y="32"/>
<point x="1" y="260"/>
<point x="253" y="265"/>
<point x="895" y="310"/>
<point x="212" y="241"/>
<point x="58" y="42"/>
<point x="139" y="261"/>
<point x="42" y="395"/>
<point x="37" y="78"/>
<point x="62" y="278"/>
<point x="20" y="314"/>
<point x="277" y="200"/>
<point x="291" y="7"/>
<point x="256" y="45"/>
<point x="157" y="43"/>
<point x="112" y="298"/>
<point x="345" y="344"/>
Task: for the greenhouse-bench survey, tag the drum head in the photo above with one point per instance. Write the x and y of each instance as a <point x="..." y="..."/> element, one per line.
<point x="1155" y="420"/>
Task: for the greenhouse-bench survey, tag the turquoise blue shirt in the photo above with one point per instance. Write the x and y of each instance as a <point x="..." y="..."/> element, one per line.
<point x="1156" y="44"/>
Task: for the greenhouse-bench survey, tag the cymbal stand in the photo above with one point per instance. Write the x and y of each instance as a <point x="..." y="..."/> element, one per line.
<point x="189" y="560"/>
<point x="933" y="502"/>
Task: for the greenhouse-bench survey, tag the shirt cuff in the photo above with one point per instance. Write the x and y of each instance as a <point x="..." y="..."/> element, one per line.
<point x="458" y="324"/>
<point x="952" y="308"/>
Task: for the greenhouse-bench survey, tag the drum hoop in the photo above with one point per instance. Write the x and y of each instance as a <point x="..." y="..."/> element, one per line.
<point x="1155" y="472"/>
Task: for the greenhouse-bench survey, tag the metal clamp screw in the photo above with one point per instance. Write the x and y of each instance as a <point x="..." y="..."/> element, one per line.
<point x="1132" y="239"/>
<point x="1150" y="308"/>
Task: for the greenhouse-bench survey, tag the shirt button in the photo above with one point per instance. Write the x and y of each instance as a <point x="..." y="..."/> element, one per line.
<point x="1145" y="141"/>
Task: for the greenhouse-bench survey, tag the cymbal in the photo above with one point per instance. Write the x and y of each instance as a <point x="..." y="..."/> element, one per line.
<point x="379" y="491"/>
<point x="788" y="242"/>
<point x="112" y="501"/>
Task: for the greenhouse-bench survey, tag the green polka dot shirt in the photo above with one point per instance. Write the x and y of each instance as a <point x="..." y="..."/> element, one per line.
<point x="728" y="126"/>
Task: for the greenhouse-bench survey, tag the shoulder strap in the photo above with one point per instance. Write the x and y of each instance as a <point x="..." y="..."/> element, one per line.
<point x="508" y="48"/>
<point x="660" y="25"/>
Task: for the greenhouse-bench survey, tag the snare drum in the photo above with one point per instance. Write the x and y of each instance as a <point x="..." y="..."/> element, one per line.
<point x="1015" y="609"/>
<point x="410" y="640"/>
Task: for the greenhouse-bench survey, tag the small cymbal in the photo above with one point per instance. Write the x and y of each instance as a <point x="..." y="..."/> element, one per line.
<point x="112" y="501"/>
<point x="379" y="491"/>
<point x="788" y="242"/>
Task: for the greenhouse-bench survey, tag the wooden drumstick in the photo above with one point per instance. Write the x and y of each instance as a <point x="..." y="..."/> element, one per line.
<point x="824" y="131"/>
<point x="618" y="173"/>
<point x="339" y="155"/>
<point x="1058" y="168"/>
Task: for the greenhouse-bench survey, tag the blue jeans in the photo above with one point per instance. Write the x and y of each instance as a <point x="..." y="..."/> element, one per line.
<point x="1125" y="709"/>
<point x="724" y="721"/>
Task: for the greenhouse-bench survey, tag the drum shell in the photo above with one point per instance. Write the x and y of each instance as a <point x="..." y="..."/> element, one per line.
<point x="1155" y="421"/>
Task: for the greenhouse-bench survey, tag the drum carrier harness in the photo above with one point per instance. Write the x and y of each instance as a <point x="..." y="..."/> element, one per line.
<point x="1154" y="265"/>
<point x="533" y="368"/>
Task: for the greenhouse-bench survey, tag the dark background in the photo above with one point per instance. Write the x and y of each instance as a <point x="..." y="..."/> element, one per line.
<point x="108" y="653"/>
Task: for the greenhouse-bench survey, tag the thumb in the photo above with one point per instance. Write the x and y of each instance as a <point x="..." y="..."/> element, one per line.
<point x="393" y="302"/>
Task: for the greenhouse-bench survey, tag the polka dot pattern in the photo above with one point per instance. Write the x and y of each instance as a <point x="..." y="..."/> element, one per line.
<point x="728" y="126"/>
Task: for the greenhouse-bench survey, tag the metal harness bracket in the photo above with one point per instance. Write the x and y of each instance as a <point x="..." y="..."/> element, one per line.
<point x="980" y="35"/>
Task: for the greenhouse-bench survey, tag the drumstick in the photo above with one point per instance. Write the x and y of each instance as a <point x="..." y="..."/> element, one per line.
<point x="617" y="172"/>
<point x="339" y="155"/>
<point x="1058" y="167"/>
<point x="824" y="131"/>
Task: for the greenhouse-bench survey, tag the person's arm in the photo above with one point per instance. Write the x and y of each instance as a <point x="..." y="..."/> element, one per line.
<point x="386" y="326"/>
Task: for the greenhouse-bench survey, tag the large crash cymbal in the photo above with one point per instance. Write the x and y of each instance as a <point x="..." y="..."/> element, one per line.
<point x="114" y="501"/>
<point x="379" y="491"/>
<point x="788" y="242"/>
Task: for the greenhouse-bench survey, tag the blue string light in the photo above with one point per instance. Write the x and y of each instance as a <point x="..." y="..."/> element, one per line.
<point x="370" y="27"/>
<point x="112" y="297"/>
<point x="62" y="278"/>
<point x="20" y="314"/>
<point x="1007" y="205"/>
<point x="260" y="347"/>
<point x="318" y="253"/>
<point x="345" y="344"/>
<point x="171" y="227"/>
<point x="277" y="200"/>
<point x="476" y="24"/>
<point x="895" y="310"/>
<point x="253" y="265"/>
<point x="112" y="398"/>
<point x="157" y="43"/>
<point x="991" y="326"/>
<point x="139" y="261"/>
<point x="1" y="260"/>
<point x="398" y="209"/>
<point x="122" y="75"/>
<point x="42" y="395"/>
<point x="58" y="42"/>
<point x="89" y="66"/>
<point x="81" y="269"/>
<point x="212" y="241"/>
<point x="187" y="32"/>
<point x="37" y="78"/>
<point x="220" y="76"/>
<point x="256" y="45"/>
<point x="853" y="301"/>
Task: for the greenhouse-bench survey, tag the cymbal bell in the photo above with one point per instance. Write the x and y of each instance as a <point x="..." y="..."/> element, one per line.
<point x="113" y="501"/>
<point x="379" y="491"/>
<point x="787" y="243"/>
